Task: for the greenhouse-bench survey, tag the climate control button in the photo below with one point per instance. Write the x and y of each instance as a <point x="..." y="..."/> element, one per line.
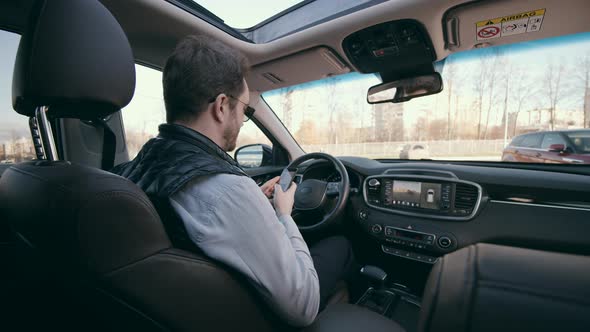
<point x="376" y="229"/>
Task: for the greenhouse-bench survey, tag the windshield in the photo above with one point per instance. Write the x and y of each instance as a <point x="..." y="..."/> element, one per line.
<point x="490" y="97"/>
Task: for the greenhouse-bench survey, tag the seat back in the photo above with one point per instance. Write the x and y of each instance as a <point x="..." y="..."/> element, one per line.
<point x="95" y="255"/>
<point x="97" y="234"/>
<point x="488" y="287"/>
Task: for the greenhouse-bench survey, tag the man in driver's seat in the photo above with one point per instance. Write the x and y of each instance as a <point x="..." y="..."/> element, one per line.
<point x="186" y="171"/>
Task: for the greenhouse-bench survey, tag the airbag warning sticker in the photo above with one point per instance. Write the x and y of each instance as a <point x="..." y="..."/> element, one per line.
<point x="510" y="25"/>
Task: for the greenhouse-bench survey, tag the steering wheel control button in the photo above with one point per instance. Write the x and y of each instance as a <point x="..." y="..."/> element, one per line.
<point x="444" y="242"/>
<point x="376" y="229"/>
<point x="332" y="188"/>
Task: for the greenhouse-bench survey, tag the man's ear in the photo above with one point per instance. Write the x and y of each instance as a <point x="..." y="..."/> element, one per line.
<point x="220" y="108"/>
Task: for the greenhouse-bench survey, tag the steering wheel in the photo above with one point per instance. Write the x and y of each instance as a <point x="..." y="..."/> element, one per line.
<point x="314" y="195"/>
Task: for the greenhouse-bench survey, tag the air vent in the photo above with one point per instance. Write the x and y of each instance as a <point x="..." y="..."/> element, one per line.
<point x="465" y="196"/>
<point x="273" y="78"/>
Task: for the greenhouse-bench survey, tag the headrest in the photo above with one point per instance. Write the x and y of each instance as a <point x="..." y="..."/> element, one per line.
<point x="75" y="58"/>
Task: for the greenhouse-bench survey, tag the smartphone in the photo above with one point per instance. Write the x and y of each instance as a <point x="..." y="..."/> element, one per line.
<point x="286" y="179"/>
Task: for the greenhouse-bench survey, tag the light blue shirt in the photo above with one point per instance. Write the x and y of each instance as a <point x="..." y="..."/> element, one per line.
<point x="232" y="221"/>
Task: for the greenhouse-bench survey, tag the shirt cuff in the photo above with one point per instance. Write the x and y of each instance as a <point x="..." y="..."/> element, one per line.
<point x="285" y="218"/>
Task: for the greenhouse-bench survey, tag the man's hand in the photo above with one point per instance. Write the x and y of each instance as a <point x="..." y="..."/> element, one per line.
<point x="284" y="200"/>
<point x="269" y="187"/>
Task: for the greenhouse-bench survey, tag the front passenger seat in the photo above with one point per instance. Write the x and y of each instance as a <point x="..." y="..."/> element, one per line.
<point x="486" y="287"/>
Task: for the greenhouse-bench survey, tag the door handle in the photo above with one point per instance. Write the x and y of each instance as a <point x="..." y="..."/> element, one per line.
<point x="538" y="155"/>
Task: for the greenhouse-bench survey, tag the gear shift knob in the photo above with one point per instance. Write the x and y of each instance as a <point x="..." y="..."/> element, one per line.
<point x="375" y="275"/>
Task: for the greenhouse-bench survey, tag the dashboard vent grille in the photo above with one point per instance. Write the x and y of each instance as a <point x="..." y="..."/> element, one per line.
<point x="465" y="196"/>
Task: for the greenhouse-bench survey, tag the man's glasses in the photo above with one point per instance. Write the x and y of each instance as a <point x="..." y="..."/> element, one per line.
<point x="248" y="111"/>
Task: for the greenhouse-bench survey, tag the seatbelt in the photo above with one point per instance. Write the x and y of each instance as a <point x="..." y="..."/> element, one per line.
<point x="109" y="144"/>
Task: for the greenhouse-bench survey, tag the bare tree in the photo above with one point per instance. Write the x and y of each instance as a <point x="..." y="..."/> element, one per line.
<point x="481" y="86"/>
<point x="449" y="75"/>
<point x="288" y="107"/>
<point x="553" y="78"/>
<point x="496" y="64"/>
<point x="583" y="67"/>
<point x="521" y="92"/>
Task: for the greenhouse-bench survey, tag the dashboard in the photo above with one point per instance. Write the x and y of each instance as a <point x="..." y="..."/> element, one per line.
<point x="421" y="211"/>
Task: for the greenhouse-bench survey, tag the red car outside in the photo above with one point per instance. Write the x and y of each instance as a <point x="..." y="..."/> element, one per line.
<point x="562" y="147"/>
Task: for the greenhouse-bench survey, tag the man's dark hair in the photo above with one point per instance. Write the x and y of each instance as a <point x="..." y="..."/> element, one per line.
<point x="199" y="69"/>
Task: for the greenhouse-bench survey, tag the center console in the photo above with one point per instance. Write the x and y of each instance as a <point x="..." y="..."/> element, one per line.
<point x="433" y="195"/>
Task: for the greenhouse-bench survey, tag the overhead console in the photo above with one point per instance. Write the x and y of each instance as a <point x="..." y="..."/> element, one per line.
<point x="396" y="49"/>
<point x="438" y="197"/>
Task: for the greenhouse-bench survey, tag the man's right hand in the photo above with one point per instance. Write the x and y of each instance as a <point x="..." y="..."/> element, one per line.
<point x="284" y="200"/>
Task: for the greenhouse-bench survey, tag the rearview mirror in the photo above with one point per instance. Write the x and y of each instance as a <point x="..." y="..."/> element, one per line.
<point x="405" y="89"/>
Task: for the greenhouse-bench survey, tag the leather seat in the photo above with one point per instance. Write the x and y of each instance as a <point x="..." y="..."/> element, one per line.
<point x="95" y="253"/>
<point x="488" y="287"/>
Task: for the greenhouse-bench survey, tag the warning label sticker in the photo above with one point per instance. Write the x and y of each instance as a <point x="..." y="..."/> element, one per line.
<point x="510" y="25"/>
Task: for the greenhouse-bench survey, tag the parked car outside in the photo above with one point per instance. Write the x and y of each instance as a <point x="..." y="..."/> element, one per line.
<point x="414" y="152"/>
<point x="563" y="147"/>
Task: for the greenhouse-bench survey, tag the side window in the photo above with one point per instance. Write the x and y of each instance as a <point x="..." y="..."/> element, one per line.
<point x="255" y="149"/>
<point x="517" y="141"/>
<point x="250" y="134"/>
<point x="15" y="138"/>
<point x="552" y="138"/>
<point x="145" y="111"/>
<point x="532" y="141"/>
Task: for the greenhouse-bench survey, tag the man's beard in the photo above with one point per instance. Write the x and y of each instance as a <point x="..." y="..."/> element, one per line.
<point x="230" y="136"/>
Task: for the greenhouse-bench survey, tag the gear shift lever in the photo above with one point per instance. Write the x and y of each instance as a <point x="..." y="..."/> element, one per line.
<point x="375" y="275"/>
<point x="376" y="298"/>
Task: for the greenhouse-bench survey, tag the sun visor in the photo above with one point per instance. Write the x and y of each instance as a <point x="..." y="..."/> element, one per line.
<point x="305" y="66"/>
<point x="501" y="22"/>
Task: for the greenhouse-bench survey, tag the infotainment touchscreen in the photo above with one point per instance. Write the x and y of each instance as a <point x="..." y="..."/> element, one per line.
<point x="414" y="194"/>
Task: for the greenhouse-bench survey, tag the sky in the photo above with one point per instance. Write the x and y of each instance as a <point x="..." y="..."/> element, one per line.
<point x="245" y="14"/>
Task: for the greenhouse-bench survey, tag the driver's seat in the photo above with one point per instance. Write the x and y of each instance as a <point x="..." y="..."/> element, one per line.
<point x="94" y="238"/>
